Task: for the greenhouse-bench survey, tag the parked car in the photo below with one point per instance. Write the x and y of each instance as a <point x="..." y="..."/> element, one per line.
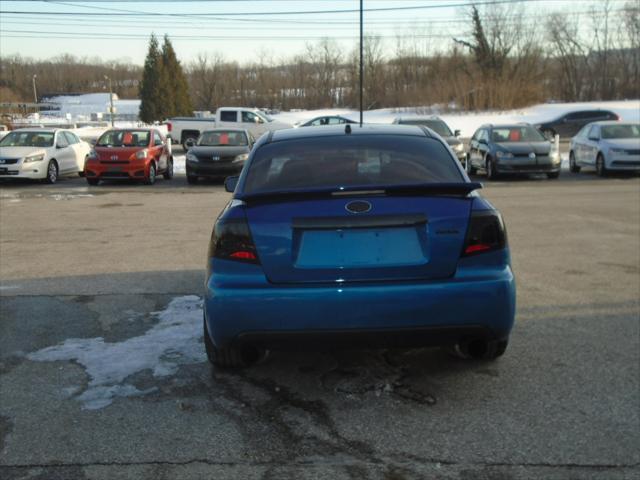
<point x="568" y="124"/>
<point x="256" y="122"/>
<point x="607" y="146"/>
<point x="42" y="153"/>
<point x="130" y="153"/>
<point x="324" y="120"/>
<point x="218" y="152"/>
<point x="517" y="148"/>
<point x="356" y="237"/>
<point x="441" y="128"/>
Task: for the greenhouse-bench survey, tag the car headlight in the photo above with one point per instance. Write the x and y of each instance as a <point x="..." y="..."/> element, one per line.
<point x="500" y="154"/>
<point x="241" y="158"/>
<point x="458" y="147"/>
<point x="616" y="151"/>
<point x="191" y="157"/>
<point x="34" y="158"/>
<point x="142" y="154"/>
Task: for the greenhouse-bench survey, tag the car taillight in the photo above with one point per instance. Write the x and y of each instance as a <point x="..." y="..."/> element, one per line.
<point x="169" y="127"/>
<point x="486" y="233"/>
<point x="231" y="240"/>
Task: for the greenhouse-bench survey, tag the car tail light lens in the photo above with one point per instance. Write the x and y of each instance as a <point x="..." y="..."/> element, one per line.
<point x="231" y="240"/>
<point x="486" y="233"/>
<point x="169" y="127"/>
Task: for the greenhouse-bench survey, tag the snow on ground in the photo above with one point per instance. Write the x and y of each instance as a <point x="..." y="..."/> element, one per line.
<point x="468" y="122"/>
<point x="175" y="340"/>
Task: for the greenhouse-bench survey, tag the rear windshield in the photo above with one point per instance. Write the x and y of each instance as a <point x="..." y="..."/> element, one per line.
<point x="124" y="138"/>
<point x="223" y="138"/>
<point x="27" y="139"/>
<point x="623" y="130"/>
<point x="524" y="133"/>
<point x="437" y="126"/>
<point x="350" y="161"/>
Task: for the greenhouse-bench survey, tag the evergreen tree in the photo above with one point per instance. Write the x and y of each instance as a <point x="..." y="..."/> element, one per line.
<point x="151" y="105"/>
<point x="175" y="86"/>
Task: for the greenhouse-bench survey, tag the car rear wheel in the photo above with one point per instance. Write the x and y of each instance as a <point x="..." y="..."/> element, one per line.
<point x="553" y="175"/>
<point x="52" y="172"/>
<point x="151" y="177"/>
<point x="601" y="168"/>
<point x="481" y="349"/>
<point x="491" y="169"/>
<point x="229" y="357"/>
<point x="93" y="181"/>
<point x="573" y="166"/>
<point x="168" y="174"/>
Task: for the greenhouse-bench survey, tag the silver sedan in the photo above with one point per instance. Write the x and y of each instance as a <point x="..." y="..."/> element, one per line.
<point x="607" y="146"/>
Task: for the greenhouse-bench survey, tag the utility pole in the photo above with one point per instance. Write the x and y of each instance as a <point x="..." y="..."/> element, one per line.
<point x="35" y="92"/>
<point x="361" y="64"/>
<point x="110" y="98"/>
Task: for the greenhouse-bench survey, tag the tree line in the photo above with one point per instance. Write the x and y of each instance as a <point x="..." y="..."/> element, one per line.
<point x="508" y="59"/>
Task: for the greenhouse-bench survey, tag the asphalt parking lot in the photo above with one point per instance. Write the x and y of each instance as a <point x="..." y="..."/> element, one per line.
<point x="93" y="275"/>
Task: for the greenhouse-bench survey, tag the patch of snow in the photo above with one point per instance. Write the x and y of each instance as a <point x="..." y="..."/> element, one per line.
<point x="175" y="340"/>
<point x="179" y="164"/>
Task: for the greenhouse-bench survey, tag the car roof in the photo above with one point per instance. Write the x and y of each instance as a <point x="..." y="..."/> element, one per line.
<point x="418" y="117"/>
<point x="39" y="130"/>
<point x="505" y="125"/>
<point x="128" y="129"/>
<point x="355" y="129"/>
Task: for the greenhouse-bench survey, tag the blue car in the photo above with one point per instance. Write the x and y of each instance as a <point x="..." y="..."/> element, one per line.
<point x="356" y="236"/>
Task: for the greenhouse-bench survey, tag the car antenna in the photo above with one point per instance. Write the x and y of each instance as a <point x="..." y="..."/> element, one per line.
<point x="347" y="129"/>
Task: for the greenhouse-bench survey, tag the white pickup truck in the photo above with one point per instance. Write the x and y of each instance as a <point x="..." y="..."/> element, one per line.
<point x="183" y="128"/>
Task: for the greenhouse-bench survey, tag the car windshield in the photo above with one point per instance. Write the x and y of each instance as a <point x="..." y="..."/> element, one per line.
<point x="623" y="130"/>
<point x="350" y="160"/>
<point x="437" y="126"/>
<point x="124" y="138"/>
<point x="223" y="138"/>
<point x="28" y="139"/>
<point x="520" y="133"/>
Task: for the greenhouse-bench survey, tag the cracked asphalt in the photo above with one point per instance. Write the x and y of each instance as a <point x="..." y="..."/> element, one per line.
<point x="102" y="262"/>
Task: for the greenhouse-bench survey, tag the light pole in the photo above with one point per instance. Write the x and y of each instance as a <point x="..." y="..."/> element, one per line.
<point x="35" y="92"/>
<point x="110" y="99"/>
<point x="361" y="59"/>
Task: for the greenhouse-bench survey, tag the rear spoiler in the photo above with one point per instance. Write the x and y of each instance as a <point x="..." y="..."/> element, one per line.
<point x="444" y="188"/>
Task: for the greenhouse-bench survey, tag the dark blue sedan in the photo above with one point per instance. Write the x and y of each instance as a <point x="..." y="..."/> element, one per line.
<point x="356" y="236"/>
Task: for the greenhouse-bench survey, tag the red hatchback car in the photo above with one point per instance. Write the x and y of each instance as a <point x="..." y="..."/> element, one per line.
<point x="136" y="154"/>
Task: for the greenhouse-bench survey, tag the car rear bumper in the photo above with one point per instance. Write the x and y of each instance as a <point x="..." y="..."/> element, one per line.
<point x="477" y="301"/>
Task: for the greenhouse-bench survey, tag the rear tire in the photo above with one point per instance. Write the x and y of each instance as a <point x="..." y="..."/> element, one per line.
<point x="93" y="181"/>
<point x="228" y="357"/>
<point x="168" y="173"/>
<point x="480" y="349"/>
<point x="601" y="168"/>
<point x="151" y="177"/>
<point x="573" y="167"/>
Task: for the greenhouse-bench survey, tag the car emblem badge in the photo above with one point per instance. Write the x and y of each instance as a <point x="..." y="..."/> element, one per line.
<point x="358" y="206"/>
<point x="114" y="157"/>
<point x="532" y="155"/>
<point x="215" y="158"/>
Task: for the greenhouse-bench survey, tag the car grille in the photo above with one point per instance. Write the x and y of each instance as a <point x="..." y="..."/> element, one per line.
<point x="8" y="161"/>
<point x="633" y="152"/>
<point x="114" y="162"/>
<point x="208" y="158"/>
<point x="10" y="172"/>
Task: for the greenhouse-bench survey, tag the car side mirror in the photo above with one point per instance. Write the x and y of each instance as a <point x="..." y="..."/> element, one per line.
<point x="594" y="139"/>
<point x="456" y="133"/>
<point x="482" y="141"/>
<point x="190" y="142"/>
<point x="230" y="183"/>
<point x="59" y="146"/>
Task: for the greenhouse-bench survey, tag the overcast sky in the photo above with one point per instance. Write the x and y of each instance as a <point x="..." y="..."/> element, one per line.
<point x="242" y="30"/>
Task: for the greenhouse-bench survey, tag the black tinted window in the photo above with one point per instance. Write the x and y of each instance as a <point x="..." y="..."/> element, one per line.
<point x="350" y="161"/>
<point x="229" y="116"/>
